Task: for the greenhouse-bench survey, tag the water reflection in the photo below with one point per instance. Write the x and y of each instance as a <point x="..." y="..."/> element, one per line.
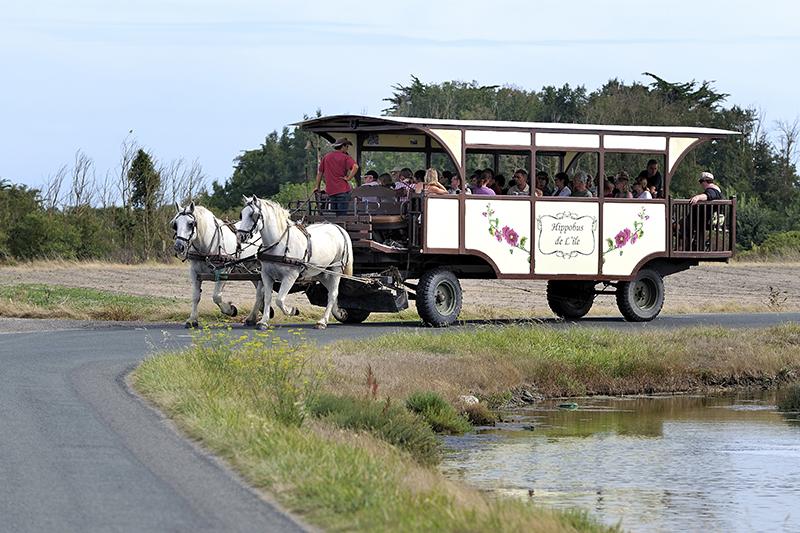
<point x="719" y="463"/>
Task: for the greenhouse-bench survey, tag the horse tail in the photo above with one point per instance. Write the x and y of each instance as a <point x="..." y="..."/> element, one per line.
<point x="348" y="264"/>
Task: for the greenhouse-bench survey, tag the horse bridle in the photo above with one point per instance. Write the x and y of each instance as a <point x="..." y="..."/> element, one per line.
<point x="255" y="217"/>
<point x="188" y="240"/>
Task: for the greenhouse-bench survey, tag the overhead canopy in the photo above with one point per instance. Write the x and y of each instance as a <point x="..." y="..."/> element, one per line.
<point x="373" y="123"/>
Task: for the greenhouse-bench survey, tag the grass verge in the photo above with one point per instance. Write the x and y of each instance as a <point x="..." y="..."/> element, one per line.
<point x="345" y="463"/>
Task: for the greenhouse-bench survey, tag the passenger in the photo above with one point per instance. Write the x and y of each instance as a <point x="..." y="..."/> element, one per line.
<point x="543" y="183"/>
<point x="371" y="178"/>
<point x="404" y="179"/>
<point x="481" y="187"/>
<point x="590" y="184"/>
<point x="608" y="187"/>
<point x="710" y="189"/>
<point x="640" y="190"/>
<point x="579" y="185"/>
<point x="561" y="185"/>
<point x="520" y="186"/>
<point x="430" y="183"/>
<point x="473" y="180"/>
<point x="419" y="176"/>
<point x="621" y="188"/>
<point x="338" y="168"/>
<point x="456" y="185"/>
<point x="653" y="176"/>
<point x="395" y="173"/>
<point x="386" y="180"/>
<point x="445" y="177"/>
<point x="499" y="186"/>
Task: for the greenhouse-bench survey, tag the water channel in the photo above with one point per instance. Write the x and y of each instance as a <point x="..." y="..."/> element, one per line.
<point x="655" y="463"/>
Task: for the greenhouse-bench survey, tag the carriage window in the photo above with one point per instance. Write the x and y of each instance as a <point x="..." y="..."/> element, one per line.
<point x="650" y="166"/>
<point x="385" y="161"/>
<point x="548" y="162"/>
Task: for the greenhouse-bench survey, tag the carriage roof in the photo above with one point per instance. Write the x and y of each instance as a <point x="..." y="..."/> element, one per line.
<point x="384" y="123"/>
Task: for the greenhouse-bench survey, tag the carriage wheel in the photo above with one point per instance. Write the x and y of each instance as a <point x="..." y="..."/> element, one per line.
<point x="570" y="299"/>
<point x="438" y="297"/>
<point x="350" y="316"/>
<point x="641" y="300"/>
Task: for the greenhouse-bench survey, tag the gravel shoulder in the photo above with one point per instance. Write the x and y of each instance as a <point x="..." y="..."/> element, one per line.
<point x="713" y="287"/>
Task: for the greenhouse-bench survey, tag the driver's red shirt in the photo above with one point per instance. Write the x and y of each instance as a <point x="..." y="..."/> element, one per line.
<point x="334" y="167"/>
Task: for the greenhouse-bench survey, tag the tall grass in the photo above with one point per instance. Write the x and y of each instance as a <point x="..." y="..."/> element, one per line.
<point x="345" y="464"/>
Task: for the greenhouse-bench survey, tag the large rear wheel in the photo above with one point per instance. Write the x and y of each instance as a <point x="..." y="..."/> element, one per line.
<point x="641" y="300"/>
<point x="570" y="300"/>
<point x="438" y="297"/>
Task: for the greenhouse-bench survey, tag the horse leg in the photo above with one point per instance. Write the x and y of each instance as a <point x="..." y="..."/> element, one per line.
<point x="331" y="283"/>
<point x="257" y="307"/>
<point x="227" y="308"/>
<point x="196" y="291"/>
<point x="286" y="284"/>
<point x="266" y="290"/>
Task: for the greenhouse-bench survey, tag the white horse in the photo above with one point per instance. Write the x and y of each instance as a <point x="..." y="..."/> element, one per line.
<point x="199" y="235"/>
<point x="291" y="253"/>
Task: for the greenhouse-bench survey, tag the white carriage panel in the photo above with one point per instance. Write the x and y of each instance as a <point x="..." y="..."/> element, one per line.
<point x="631" y="231"/>
<point x="566" y="238"/>
<point x="567" y="140"/>
<point x="452" y="140"/>
<point x="635" y="142"/>
<point x="441" y="223"/>
<point x="677" y="147"/>
<point x="500" y="228"/>
<point x="498" y="138"/>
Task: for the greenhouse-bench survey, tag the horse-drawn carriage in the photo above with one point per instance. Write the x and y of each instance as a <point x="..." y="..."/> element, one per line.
<point x="418" y="247"/>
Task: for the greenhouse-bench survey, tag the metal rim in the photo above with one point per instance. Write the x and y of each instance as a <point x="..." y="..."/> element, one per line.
<point x="645" y="294"/>
<point x="444" y="298"/>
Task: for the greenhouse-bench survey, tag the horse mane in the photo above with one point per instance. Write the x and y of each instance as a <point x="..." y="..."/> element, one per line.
<point x="202" y="216"/>
<point x="281" y="214"/>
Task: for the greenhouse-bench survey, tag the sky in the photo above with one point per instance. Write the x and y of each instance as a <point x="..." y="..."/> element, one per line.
<point x="204" y="80"/>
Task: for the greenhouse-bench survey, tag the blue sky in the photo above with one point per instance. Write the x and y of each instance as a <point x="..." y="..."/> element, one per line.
<point x="206" y="79"/>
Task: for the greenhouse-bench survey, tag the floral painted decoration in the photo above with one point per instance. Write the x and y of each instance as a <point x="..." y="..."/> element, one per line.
<point x="505" y="234"/>
<point x="628" y="236"/>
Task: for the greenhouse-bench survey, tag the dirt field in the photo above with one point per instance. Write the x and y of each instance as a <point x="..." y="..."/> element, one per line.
<point x="707" y="288"/>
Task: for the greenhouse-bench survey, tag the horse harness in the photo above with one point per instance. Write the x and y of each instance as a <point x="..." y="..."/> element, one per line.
<point x="273" y="258"/>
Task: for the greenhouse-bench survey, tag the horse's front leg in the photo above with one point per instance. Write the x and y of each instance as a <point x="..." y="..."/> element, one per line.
<point x="196" y="291"/>
<point x="331" y="283"/>
<point x="267" y="282"/>
<point x="257" y="306"/>
<point x="286" y="284"/>
<point x="227" y="308"/>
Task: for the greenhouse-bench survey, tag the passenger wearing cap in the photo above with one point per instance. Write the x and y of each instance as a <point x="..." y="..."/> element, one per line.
<point x="338" y="169"/>
<point x="710" y="189"/>
<point x="621" y="187"/>
<point x="371" y="179"/>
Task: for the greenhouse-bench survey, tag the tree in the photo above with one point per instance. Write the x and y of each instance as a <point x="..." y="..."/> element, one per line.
<point x="145" y="182"/>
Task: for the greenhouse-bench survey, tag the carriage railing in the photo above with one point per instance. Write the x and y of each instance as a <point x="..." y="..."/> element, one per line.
<point x="703" y="229"/>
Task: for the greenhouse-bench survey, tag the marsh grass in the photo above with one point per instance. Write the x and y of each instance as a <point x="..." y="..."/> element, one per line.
<point x="437" y="412"/>
<point x="336" y="468"/>
<point x="791" y="402"/>
<point x="490" y="361"/>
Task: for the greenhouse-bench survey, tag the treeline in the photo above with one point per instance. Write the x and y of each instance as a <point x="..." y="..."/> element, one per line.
<point x="124" y="216"/>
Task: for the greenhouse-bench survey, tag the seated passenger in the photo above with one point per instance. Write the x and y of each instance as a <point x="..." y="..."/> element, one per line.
<point x="590" y="184"/>
<point x="430" y="183"/>
<point x="621" y="188"/>
<point x="499" y="186"/>
<point x="404" y="179"/>
<point x="608" y="187"/>
<point x="371" y="179"/>
<point x="456" y="185"/>
<point x="386" y="180"/>
<point x="561" y="185"/>
<point x="445" y="177"/>
<point x="640" y="191"/>
<point x="481" y="187"/>
<point x="652" y="175"/>
<point x="579" y="185"/>
<point x="543" y="183"/>
<point x="419" y="176"/>
<point x="710" y="189"/>
<point x="520" y="186"/>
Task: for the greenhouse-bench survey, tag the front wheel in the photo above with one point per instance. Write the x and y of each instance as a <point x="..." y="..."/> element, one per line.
<point x="350" y="316"/>
<point x="641" y="300"/>
<point x="438" y="297"/>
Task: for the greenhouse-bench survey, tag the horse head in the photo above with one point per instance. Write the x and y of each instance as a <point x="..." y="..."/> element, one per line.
<point x="251" y="219"/>
<point x="184" y="225"/>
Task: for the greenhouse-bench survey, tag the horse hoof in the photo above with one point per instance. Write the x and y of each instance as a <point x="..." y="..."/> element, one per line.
<point x="271" y="313"/>
<point x="295" y="312"/>
<point x="250" y="323"/>
<point x="234" y="311"/>
<point x="191" y="325"/>
<point x="262" y="327"/>
<point x="320" y="325"/>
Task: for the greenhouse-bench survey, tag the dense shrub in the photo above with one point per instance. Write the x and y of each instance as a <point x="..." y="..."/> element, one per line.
<point x="441" y="416"/>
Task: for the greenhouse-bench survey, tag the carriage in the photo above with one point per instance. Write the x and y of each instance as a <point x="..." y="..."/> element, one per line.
<point x="419" y="246"/>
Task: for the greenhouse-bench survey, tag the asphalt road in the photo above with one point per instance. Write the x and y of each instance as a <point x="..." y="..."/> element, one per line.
<point x="80" y="452"/>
